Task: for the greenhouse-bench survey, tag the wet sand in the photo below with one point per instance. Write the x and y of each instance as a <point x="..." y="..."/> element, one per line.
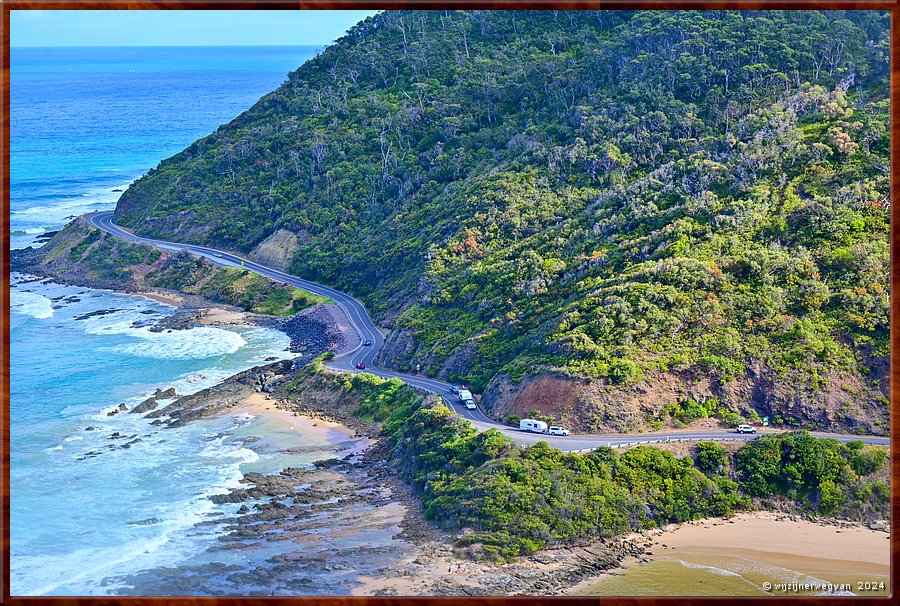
<point x="163" y="297"/>
<point x="220" y="316"/>
<point x="739" y="555"/>
<point x="214" y="315"/>
<point x="287" y="429"/>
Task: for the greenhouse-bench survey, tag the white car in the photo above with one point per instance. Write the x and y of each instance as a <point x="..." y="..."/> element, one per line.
<point x="470" y="405"/>
<point x="745" y="429"/>
<point x="558" y="431"/>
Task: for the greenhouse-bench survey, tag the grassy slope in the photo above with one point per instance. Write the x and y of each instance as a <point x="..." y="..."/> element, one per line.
<point x="83" y="254"/>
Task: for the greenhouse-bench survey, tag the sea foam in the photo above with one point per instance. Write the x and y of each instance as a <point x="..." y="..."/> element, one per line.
<point x="201" y="342"/>
<point x="30" y="304"/>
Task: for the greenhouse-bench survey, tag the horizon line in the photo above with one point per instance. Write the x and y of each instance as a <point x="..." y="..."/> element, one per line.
<point x="164" y="45"/>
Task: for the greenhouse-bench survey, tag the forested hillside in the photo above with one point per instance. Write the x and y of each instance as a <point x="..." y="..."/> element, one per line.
<point x="620" y="219"/>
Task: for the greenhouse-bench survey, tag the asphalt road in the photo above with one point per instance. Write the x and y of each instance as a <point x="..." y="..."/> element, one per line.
<point x="359" y="318"/>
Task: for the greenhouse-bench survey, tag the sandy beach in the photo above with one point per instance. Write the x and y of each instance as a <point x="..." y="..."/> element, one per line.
<point x="739" y="555"/>
<point x="212" y="315"/>
<point x="219" y="316"/>
<point x="163" y="297"/>
<point x="292" y="428"/>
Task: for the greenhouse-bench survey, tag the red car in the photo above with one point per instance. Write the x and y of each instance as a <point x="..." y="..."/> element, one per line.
<point x="360" y="366"/>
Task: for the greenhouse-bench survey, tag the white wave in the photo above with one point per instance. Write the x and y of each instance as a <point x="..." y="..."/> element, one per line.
<point x="201" y="342"/>
<point x="43" y="574"/>
<point x="243" y="419"/>
<point x="30" y="304"/>
<point x="712" y="569"/>
<point x="73" y="439"/>
<point x="58" y="210"/>
<point x="184" y="345"/>
<point x="239" y="456"/>
<point x="53" y="448"/>
<point x="99" y="570"/>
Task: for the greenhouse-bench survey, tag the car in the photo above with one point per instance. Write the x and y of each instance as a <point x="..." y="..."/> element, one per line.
<point x="219" y="255"/>
<point x="454" y="390"/>
<point x="558" y="431"/>
<point x="367" y="342"/>
<point x="745" y="429"/>
<point x="361" y="365"/>
<point x="470" y="405"/>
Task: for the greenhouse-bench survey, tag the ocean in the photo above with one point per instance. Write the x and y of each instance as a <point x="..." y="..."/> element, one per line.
<point x="86" y="122"/>
<point x="99" y="500"/>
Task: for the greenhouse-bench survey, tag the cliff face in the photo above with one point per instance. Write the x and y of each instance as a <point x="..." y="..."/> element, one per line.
<point x="619" y="198"/>
<point x="598" y="407"/>
<point x="277" y="250"/>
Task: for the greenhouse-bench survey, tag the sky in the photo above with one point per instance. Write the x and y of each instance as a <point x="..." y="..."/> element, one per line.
<point x="179" y="28"/>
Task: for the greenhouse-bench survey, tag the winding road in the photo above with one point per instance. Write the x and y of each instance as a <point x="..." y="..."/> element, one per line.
<point x="359" y="319"/>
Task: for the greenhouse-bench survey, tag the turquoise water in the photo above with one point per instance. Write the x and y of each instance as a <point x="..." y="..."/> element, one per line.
<point x="78" y="517"/>
<point x="85" y="122"/>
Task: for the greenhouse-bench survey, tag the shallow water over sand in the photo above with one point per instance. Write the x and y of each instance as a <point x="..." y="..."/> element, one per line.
<point x="739" y="557"/>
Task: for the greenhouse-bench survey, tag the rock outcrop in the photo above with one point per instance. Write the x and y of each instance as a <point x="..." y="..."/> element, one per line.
<point x="219" y="397"/>
<point x="277" y="250"/>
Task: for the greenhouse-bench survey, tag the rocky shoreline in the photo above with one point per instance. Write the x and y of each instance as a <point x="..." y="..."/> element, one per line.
<point x="354" y="492"/>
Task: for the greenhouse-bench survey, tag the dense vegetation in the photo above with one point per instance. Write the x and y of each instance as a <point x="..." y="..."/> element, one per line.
<point x="506" y="500"/>
<point x="611" y="195"/>
<point x="822" y="474"/>
<point x="85" y="255"/>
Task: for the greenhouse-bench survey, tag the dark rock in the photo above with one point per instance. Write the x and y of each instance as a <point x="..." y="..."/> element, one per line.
<point x="163" y="394"/>
<point x="214" y="399"/>
<point x="328" y="463"/>
<point x="99" y="312"/>
<point x="237" y="495"/>
<point x="145" y="406"/>
<point x="46" y="236"/>
<point x="183" y="320"/>
<point x="312" y="331"/>
<point x="147" y="522"/>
